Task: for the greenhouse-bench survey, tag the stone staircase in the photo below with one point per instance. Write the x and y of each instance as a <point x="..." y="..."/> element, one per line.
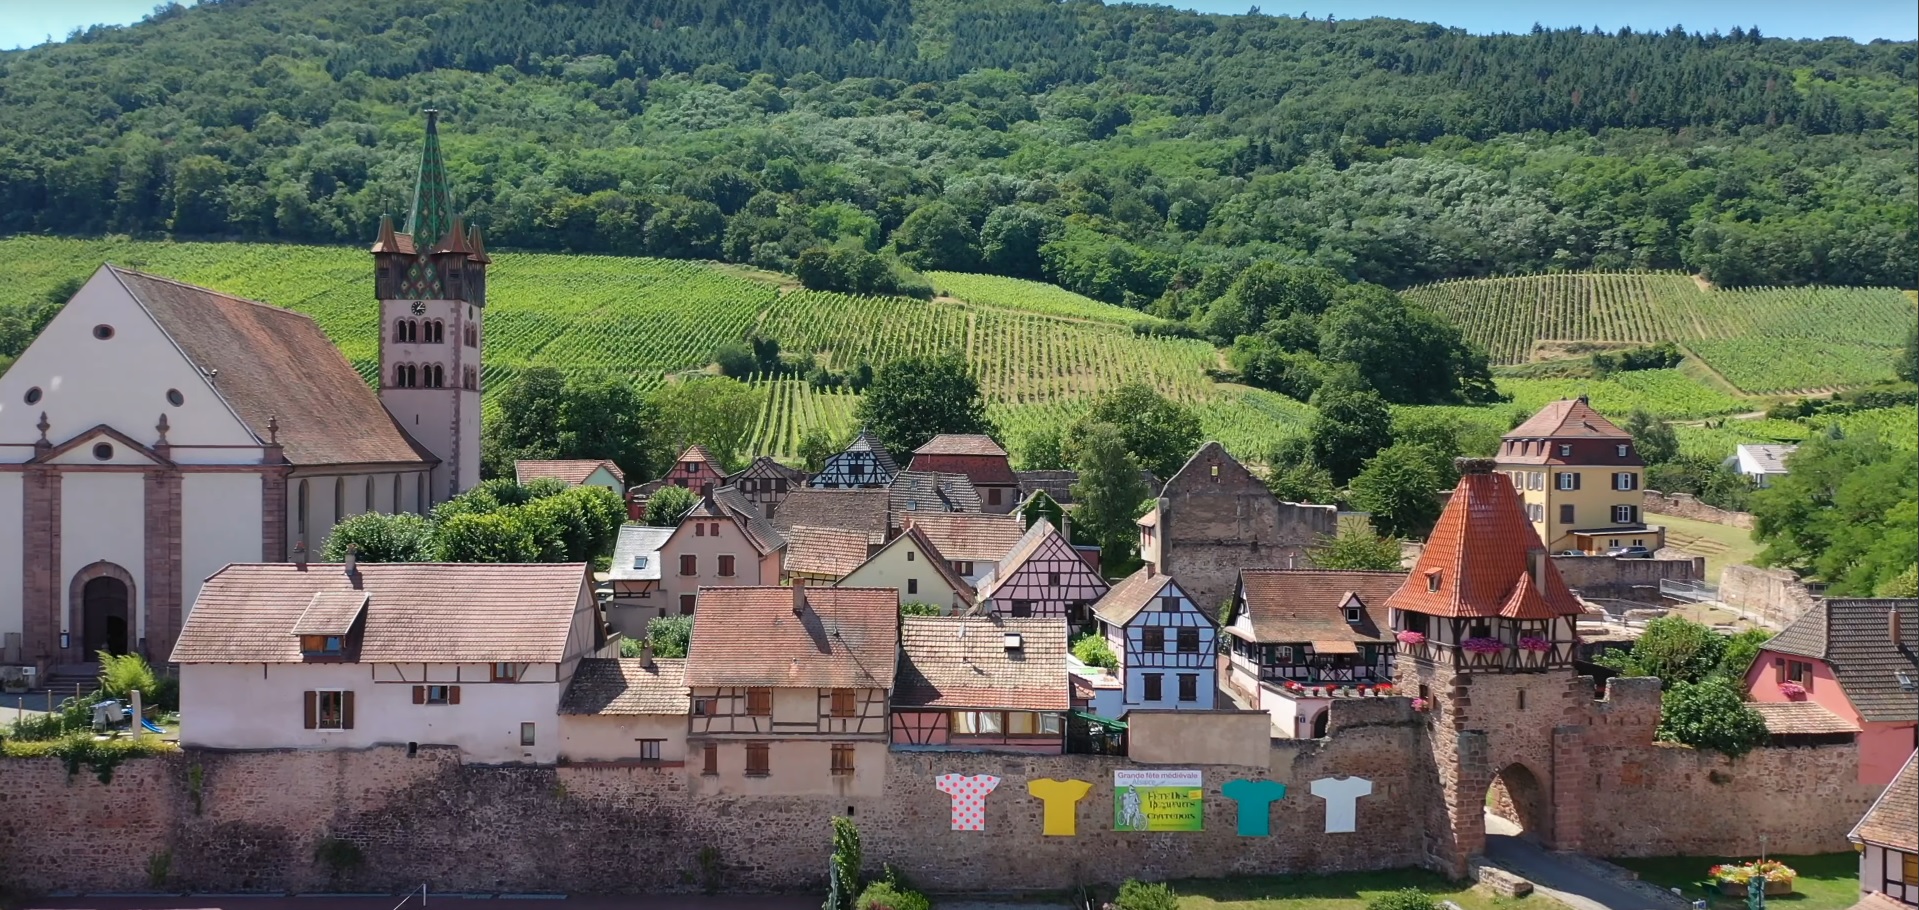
<point x="67" y="679"/>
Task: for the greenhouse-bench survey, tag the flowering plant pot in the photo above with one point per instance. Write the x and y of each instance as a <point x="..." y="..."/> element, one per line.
<point x="1420" y="704"/>
<point x="1735" y="879"/>
<point x="1792" y="690"/>
<point x="1483" y="645"/>
<point x="1741" y="889"/>
<point x="1535" y="643"/>
<point x="1411" y="638"/>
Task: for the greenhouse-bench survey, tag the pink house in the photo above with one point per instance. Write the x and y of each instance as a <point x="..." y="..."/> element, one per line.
<point x="696" y="469"/>
<point x="722" y="542"/>
<point x="1043" y="576"/>
<point x="1859" y="660"/>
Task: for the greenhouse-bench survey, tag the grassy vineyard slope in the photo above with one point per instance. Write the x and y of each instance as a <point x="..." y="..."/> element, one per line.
<point x="1041" y="352"/>
<point x="1760" y="340"/>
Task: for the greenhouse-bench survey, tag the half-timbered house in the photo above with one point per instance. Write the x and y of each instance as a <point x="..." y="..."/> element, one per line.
<point x="865" y="464"/>
<point x="722" y="541"/>
<point x="981" y="683"/>
<point x="1483" y="597"/>
<point x="1887" y="839"/>
<point x="972" y="543"/>
<point x="789" y="688"/>
<point x="1043" y="576"/>
<point x="634" y="575"/>
<point x="1299" y="638"/>
<point x="1165" y="643"/>
<point x="911" y="565"/>
<point x="979" y="458"/>
<point x="696" y="469"/>
<point x="766" y="483"/>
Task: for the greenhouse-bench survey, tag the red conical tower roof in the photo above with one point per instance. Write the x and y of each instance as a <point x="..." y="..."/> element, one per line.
<point x="1483" y="553"/>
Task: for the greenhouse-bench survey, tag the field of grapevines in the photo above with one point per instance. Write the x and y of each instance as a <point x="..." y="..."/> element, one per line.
<point x="1031" y="297"/>
<point x="1042" y="353"/>
<point x="1762" y="340"/>
<point x="1665" y="393"/>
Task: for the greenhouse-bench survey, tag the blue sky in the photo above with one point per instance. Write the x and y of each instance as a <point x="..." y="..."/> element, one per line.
<point x="29" y="22"/>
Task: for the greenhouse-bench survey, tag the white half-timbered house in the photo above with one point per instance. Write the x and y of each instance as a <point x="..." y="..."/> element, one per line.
<point x="1165" y="643"/>
<point x="766" y="482"/>
<point x="789" y="687"/>
<point x="865" y="464"/>
<point x="1043" y="576"/>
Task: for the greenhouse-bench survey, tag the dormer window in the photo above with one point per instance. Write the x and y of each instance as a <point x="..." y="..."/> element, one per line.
<point x="1432" y="582"/>
<point x="321" y="645"/>
<point x="1352" y="615"/>
<point x="1565" y="450"/>
<point x="1624" y="450"/>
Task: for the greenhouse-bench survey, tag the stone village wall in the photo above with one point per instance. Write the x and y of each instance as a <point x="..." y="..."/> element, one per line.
<point x="1771" y="597"/>
<point x="1685" y="505"/>
<point x="251" y="820"/>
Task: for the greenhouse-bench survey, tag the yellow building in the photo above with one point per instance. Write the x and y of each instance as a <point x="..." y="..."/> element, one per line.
<point x="1580" y="477"/>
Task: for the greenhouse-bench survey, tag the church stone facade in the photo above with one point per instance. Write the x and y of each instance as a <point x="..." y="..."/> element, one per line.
<point x="155" y="432"/>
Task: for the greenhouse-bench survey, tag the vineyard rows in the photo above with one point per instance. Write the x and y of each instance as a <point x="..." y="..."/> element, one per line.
<point x="1665" y="393"/>
<point x="1762" y="340"/>
<point x="1031" y="297"/>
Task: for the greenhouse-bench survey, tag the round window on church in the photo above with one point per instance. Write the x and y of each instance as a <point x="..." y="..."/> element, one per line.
<point x="175" y="398"/>
<point x="103" y="451"/>
<point x="103" y="331"/>
<point x="33" y="395"/>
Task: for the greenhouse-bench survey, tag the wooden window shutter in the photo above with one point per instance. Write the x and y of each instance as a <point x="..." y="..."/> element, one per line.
<point x="452" y="695"/>
<point x="346" y="710"/>
<point x="419" y="695"/>
<point x="1778" y="669"/>
<point x="710" y="757"/>
<point x="312" y="700"/>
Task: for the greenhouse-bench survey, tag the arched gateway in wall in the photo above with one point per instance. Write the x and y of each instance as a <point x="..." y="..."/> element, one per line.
<point x="101" y="611"/>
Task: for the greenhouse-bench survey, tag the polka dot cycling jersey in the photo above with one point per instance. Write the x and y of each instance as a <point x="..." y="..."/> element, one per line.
<point x="969" y="798"/>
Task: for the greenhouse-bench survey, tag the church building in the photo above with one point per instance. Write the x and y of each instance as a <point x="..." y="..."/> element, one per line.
<point x="155" y="432"/>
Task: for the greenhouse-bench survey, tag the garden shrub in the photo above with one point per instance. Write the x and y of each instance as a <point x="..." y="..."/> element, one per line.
<point x="884" y="895"/>
<point x="1093" y="651"/>
<point x="1403" y="899"/>
<point x="1138" y="895"/>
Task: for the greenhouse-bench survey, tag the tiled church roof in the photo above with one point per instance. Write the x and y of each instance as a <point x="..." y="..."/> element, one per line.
<point x="276" y="364"/>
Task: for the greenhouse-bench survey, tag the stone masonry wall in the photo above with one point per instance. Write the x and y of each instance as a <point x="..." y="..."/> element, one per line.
<point x="1772" y="597"/>
<point x="1685" y="505"/>
<point x="246" y="821"/>
<point x="1626" y="579"/>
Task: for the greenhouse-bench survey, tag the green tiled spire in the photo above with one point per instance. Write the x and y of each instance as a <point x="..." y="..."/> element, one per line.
<point x="432" y="214"/>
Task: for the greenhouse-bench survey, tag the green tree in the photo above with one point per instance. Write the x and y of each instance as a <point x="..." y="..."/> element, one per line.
<point x="713" y="412"/>
<point x="607" y="418"/>
<point x="380" y="537"/>
<point x="1848" y="512"/>
<point x="1350" y="428"/>
<point x="1654" y="438"/>
<point x="1159" y="433"/>
<point x="670" y="636"/>
<point x="1011" y="238"/>
<point x="918" y="608"/>
<point x="936" y="236"/>
<point x="914" y="399"/>
<point x="736" y="360"/>
<point x="668" y="505"/>
<point x="1356" y="549"/>
<point x="847" y="860"/>
<point x="1740" y="651"/>
<point x="816" y="446"/>
<point x="1710" y="715"/>
<point x="586" y="520"/>
<point x="1093" y="651"/>
<point x="1906" y="365"/>
<point x="493" y="537"/>
<point x="525" y="424"/>
<point x="1400" y="486"/>
<point x="1109" y="489"/>
<point x="1675" y="649"/>
<point x="200" y="195"/>
<point x="1042" y="449"/>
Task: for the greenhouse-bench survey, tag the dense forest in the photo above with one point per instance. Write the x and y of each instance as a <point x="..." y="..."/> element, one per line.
<point x="1138" y="154"/>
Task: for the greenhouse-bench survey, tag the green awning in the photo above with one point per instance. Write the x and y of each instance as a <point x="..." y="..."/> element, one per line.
<point x="1097" y="720"/>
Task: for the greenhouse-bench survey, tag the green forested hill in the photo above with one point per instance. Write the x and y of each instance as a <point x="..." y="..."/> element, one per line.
<point x="1138" y="155"/>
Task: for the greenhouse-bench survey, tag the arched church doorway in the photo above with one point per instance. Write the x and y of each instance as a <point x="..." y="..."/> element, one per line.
<point x="1516" y="804"/>
<point x="105" y="616"/>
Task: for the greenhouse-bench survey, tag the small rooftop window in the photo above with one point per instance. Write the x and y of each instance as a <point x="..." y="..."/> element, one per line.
<point x="639" y="562"/>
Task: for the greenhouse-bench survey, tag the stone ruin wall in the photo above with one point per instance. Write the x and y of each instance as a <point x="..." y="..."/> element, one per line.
<point x="1685" y="505"/>
<point x="243" y="821"/>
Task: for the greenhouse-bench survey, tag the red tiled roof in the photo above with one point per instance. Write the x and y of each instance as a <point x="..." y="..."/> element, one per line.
<point x="1294" y="605"/>
<point x="830" y="552"/>
<point x="961" y="444"/>
<point x="276" y="364"/>
<point x="697" y="452"/>
<point x="969" y="537"/>
<point x="1130" y="596"/>
<point x="574" y="471"/>
<point x="627" y="686"/>
<point x="992" y="471"/>
<point x="749" y="636"/>
<point x="1783" y="717"/>
<point x="1482" y="551"/>
<point x="415" y="612"/>
<point x="1568" y="418"/>
<point x="963" y="662"/>
<point x="1893" y="821"/>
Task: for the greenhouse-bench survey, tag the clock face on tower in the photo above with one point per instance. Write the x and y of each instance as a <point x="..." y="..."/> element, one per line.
<point x="419" y="308"/>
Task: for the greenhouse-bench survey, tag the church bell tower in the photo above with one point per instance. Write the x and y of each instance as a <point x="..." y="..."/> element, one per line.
<point x="431" y="284"/>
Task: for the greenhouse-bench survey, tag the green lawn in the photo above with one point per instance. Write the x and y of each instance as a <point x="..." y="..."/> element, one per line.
<point x="1827" y="881"/>
<point x="1721" y="545"/>
<point x="1345" y="891"/>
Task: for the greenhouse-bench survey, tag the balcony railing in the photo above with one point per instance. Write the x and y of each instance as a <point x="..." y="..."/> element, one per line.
<point x="1508" y="658"/>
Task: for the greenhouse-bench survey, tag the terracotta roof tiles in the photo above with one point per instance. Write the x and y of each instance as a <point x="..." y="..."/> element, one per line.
<point x="928" y="491"/>
<point x="830" y="552"/>
<point x="1309" y="605"/>
<point x="627" y="686"/>
<point x="1480" y="551"/>
<point x="1130" y="595"/>
<point x="961" y="444"/>
<point x="1568" y="418"/>
<point x="276" y="364"/>
<point x="1791" y="717"/>
<point x="1893" y="820"/>
<point x="750" y="636"/>
<point x="415" y="612"/>
<point x="573" y="471"/>
<point x="969" y="537"/>
<point x="1854" y="636"/>
<point x="848" y="510"/>
<point x="962" y="662"/>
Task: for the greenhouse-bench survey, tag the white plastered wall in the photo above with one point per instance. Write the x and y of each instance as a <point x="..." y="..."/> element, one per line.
<point x="219" y="524"/>
<point x="103" y="517"/>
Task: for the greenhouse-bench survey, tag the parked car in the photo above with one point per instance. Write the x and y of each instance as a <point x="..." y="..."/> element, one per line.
<point x="1570" y="553"/>
<point x="1629" y="553"/>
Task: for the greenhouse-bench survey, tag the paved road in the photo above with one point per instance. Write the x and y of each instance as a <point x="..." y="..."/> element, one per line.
<point x="1565" y="880"/>
<point x="633" y="902"/>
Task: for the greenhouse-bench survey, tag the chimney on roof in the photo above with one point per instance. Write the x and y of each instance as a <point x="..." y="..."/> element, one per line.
<point x="1892" y="626"/>
<point x="1582" y="398"/>
<point x="300" y="556"/>
<point x="1473" y="465"/>
<point x="1536" y="566"/>
<point x="799" y="595"/>
<point x="646" y="655"/>
<point x="353" y="566"/>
